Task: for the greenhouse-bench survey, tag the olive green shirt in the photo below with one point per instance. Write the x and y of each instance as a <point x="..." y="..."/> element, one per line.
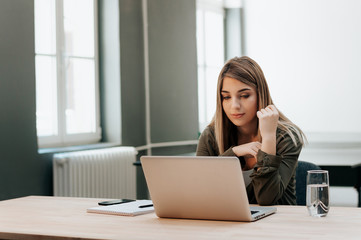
<point x="274" y="181"/>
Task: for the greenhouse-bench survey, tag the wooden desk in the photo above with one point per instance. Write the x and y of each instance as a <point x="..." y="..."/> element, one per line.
<point x="37" y="217"/>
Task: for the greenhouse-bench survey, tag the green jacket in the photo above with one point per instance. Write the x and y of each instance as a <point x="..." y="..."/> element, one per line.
<point x="274" y="183"/>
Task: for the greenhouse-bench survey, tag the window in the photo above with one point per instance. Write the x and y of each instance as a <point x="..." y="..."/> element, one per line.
<point x="67" y="104"/>
<point x="210" y="52"/>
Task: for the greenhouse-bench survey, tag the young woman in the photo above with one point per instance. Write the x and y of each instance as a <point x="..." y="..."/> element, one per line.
<point x="248" y="125"/>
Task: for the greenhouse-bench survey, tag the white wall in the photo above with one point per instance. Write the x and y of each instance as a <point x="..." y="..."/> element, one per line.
<point x="310" y="52"/>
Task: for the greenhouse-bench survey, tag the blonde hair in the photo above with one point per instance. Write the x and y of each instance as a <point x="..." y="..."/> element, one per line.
<point x="249" y="72"/>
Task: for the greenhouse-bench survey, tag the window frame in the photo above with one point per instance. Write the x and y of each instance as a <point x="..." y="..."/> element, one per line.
<point x="62" y="139"/>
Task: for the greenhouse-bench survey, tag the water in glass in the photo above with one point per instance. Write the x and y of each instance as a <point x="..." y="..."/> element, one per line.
<point x="318" y="199"/>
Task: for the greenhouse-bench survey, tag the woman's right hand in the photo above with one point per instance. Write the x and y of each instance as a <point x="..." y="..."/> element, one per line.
<point x="247" y="149"/>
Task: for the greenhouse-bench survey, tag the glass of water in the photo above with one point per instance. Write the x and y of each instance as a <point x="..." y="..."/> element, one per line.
<point x="317" y="195"/>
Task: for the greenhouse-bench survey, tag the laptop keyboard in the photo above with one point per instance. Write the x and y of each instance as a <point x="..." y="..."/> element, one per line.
<point x="254" y="212"/>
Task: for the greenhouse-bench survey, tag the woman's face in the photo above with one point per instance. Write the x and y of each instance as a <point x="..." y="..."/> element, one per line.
<point x="239" y="102"/>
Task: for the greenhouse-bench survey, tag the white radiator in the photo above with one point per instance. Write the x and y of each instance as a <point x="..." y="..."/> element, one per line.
<point x="100" y="173"/>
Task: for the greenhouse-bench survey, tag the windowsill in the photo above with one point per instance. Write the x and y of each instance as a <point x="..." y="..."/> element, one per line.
<point x="77" y="148"/>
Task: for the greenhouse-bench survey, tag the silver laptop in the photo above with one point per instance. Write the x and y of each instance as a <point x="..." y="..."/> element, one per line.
<point x="209" y="188"/>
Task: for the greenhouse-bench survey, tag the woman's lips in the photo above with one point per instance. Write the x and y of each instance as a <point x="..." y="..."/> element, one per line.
<point x="238" y="115"/>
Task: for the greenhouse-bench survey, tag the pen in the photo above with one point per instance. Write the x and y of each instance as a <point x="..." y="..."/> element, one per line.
<point x="144" y="206"/>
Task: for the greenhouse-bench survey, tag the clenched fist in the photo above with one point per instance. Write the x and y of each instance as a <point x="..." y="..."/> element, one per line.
<point x="268" y="120"/>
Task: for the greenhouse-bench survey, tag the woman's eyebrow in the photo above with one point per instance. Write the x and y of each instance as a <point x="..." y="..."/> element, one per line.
<point x="242" y="90"/>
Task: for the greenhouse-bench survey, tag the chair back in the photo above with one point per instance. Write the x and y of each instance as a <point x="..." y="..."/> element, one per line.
<point x="301" y="175"/>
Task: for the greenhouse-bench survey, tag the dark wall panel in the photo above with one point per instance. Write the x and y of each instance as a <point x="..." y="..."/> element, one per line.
<point x="132" y="72"/>
<point x="22" y="171"/>
<point x="173" y="70"/>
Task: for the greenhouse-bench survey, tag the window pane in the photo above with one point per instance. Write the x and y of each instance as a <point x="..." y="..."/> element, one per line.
<point x="46" y="95"/>
<point x="214" y="42"/>
<point x="211" y="90"/>
<point x="45" y="26"/>
<point x="210" y="45"/>
<point x="80" y="99"/>
<point x="200" y="37"/>
<point x="79" y="27"/>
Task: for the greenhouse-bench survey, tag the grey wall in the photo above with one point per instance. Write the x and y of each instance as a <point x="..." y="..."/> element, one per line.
<point x="132" y="72"/>
<point x="173" y="70"/>
<point x="122" y="71"/>
<point x="22" y="172"/>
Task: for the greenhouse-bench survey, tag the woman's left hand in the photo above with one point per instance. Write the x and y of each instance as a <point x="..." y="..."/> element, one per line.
<point x="268" y="121"/>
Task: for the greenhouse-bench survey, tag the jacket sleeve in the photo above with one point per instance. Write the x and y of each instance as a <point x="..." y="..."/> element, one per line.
<point x="273" y="172"/>
<point x="207" y="146"/>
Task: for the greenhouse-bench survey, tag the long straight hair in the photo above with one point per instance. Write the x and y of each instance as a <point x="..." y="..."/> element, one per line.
<point x="247" y="71"/>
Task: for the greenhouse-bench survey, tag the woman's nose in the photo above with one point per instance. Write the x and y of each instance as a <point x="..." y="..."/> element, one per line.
<point x="235" y="103"/>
